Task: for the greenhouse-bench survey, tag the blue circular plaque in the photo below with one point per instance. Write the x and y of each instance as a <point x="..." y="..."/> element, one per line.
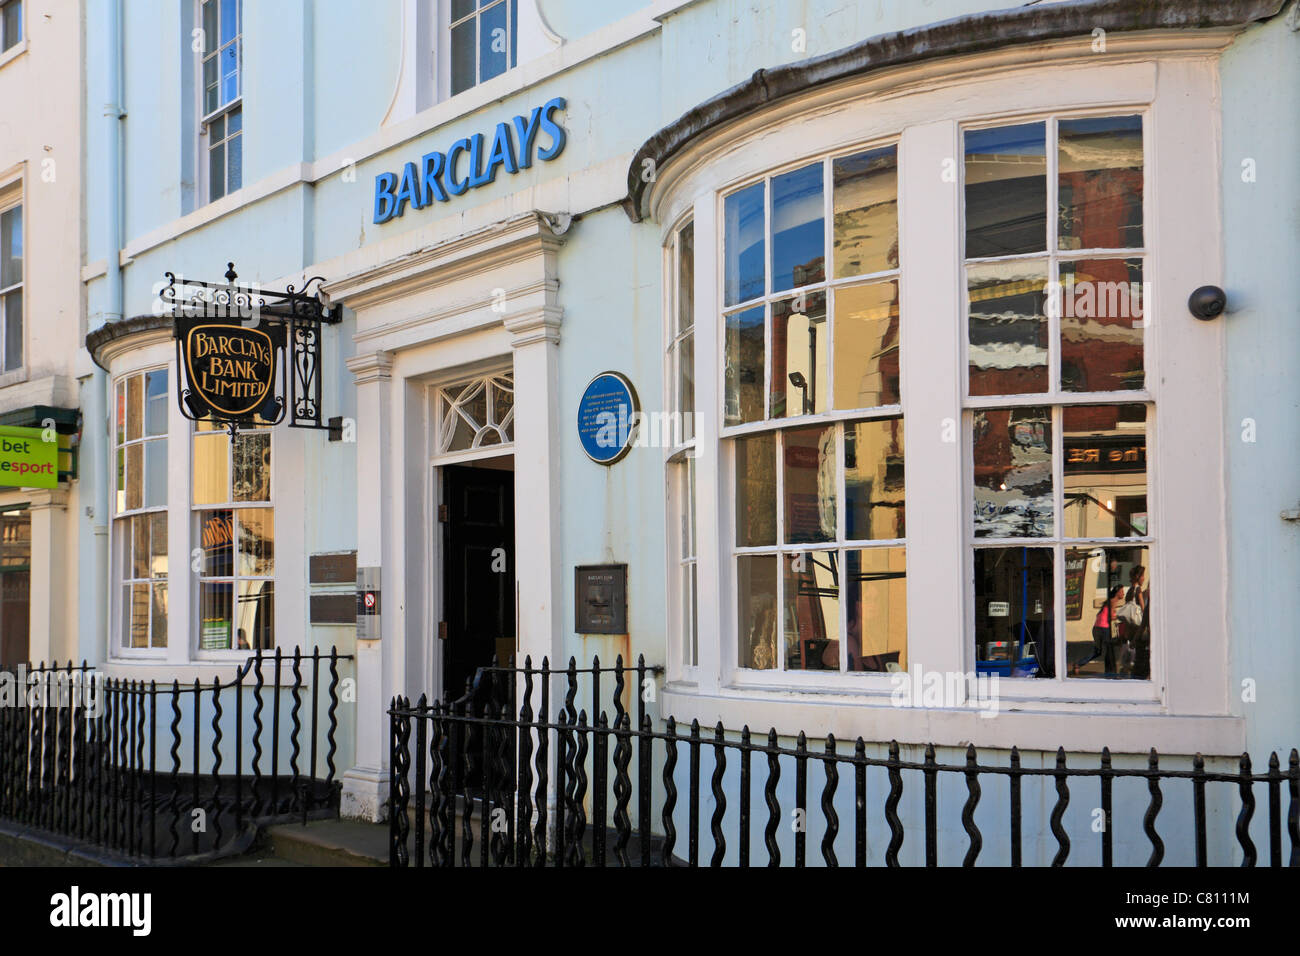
<point x="607" y="416"/>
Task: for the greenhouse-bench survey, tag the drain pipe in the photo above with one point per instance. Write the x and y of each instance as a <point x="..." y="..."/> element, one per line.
<point x="94" y="627"/>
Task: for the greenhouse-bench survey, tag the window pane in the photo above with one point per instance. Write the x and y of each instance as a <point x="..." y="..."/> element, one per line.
<point x="216" y="537"/>
<point x="756" y="610"/>
<point x="756" y="490"/>
<point x="234" y="121"/>
<point x="155" y="402"/>
<point x="866" y="212"/>
<point x="810" y="481"/>
<point x="235" y="171"/>
<point x="11" y="247"/>
<point x="134" y="406"/>
<point x="158" y="626"/>
<point x="1105" y="471"/>
<point x="1108" y="612"/>
<point x="1013" y="472"/>
<point x="812" y="611"/>
<point x="229" y="20"/>
<point x="746" y="351"/>
<point x="1006" y="191"/>
<point x="256" y="542"/>
<point x="13" y="330"/>
<point x="121" y="480"/>
<point x="119" y="397"/>
<point x="13" y="24"/>
<point x="210" y="102"/>
<point x="140" y="608"/>
<point x="158" y="545"/>
<point x="210" y="37"/>
<point x="216" y="172"/>
<point x="866" y="345"/>
<point x="215" y="615"/>
<point x="799" y="347"/>
<point x="1008" y="328"/>
<point x="686" y="277"/>
<point x="693" y="605"/>
<point x="255" y="616"/>
<point x="798" y="228"/>
<point x="461" y="8"/>
<point x="252" y="464"/>
<point x="873" y="480"/>
<point x="140" y="526"/>
<point x="217" y="129"/>
<point x="875" y="597"/>
<point x="124" y="614"/>
<point x="229" y="67"/>
<point x="134" y="477"/>
<point x="1099" y="172"/>
<point x="462" y="57"/>
<point x="1015" y="632"/>
<point x="743" y="245"/>
<point x="155" y="473"/>
<point x="493" y="42"/>
<point x="1102" y="307"/>
<point x="686" y="385"/>
<point x="690" y="545"/>
<point x="211" y="468"/>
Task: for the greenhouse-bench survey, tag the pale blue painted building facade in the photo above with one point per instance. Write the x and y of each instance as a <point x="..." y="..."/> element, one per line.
<point x="567" y="268"/>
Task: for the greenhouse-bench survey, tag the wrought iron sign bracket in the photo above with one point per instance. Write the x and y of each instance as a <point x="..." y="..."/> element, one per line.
<point x="285" y="344"/>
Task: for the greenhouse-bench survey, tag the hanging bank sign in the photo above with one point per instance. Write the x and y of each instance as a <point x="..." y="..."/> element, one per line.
<point x="471" y="163"/>
<point x="231" y="369"/>
<point x="249" y="376"/>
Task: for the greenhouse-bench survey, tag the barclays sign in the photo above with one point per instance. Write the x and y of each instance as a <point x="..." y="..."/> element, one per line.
<point x="439" y="176"/>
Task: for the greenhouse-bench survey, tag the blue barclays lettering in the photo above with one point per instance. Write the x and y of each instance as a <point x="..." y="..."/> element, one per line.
<point x="438" y="176"/>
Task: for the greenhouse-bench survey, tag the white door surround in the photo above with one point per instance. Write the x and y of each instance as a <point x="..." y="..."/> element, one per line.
<point x="489" y="298"/>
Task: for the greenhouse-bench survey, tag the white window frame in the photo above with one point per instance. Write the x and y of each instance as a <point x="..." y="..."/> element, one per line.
<point x="840" y="419"/>
<point x="205" y="144"/>
<point x="1056" y="400"/>
<point x="12" y="196"/>
<point x="18" y="45"/>
<point x="118" y="571"/>
<point x="1182" y="238"/>
<point x="442" y="60"/>
<point x="194" y="626"/>
<point x="680" y="469"/>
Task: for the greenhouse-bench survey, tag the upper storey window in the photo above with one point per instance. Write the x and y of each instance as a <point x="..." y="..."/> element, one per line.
<point x="222" y="93"/>
<point x="481" y="41"/>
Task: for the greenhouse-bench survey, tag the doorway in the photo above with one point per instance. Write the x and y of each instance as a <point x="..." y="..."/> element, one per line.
<point x="478" y="569"/>
<point x="15" y="584"/>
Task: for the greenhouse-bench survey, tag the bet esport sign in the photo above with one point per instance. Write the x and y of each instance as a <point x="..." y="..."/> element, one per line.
<point x="27" y="460"/>
<point x="439" y="176"/>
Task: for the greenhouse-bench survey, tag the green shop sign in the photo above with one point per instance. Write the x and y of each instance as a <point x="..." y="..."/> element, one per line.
<point x="27" y="460"/>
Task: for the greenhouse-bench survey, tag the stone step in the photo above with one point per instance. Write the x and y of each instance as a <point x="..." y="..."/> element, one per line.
<point x="329" y="843"/>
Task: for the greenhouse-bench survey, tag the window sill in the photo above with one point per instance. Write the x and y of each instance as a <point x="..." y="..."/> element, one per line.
<point x="14" y="377"/>
<point x="1042" y="725"/>
<point x="11" y="54"/>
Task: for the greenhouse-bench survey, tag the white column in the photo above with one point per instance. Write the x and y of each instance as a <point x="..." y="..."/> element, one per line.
<point x="365" y="785"/>
<point x="50" y="595"/>
<point x="536" y="337"/>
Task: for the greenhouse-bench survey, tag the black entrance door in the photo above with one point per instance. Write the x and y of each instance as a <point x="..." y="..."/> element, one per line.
<point x="478" y="572"/>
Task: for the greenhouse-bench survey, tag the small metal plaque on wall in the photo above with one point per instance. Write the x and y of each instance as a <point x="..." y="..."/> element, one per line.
<point x="600" y="598"/>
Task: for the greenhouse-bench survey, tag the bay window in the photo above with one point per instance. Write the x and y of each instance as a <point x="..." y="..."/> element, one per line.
<point x="953" y="416"/>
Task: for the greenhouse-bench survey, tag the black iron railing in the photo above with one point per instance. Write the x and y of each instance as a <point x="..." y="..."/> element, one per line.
<point x="475" y="784"/>
<point x="171" y="771"/>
